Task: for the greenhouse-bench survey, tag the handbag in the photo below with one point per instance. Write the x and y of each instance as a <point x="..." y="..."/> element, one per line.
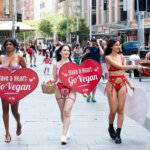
<point x="29" y="51"/>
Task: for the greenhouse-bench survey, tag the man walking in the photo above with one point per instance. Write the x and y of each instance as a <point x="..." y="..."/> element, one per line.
<point x="92" y="52"/>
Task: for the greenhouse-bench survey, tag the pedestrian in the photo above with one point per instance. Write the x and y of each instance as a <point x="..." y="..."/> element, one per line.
<point x="44" y="47"/>
<point x="12" y="62"/>
<point x="40" y="48"/>
<point x="46" y="62"/>
<point x="92" y="52"/>
<point x="116" y="86"/>
<point x="77" y="52"/>
<point x="23" y="49"/>
<point x="34" y="53"/>
<point x="65" y="97"/>
<point x="102" y="62"/>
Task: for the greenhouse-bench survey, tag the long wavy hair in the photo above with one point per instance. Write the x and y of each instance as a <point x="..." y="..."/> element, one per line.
<point x="12" y="40"/>
<point x="110" y="43"/>
<point x="58" y="56"/>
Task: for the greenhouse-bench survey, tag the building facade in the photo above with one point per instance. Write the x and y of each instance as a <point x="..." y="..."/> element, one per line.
<point x="112" y="19"/>
<point x="5" y="9"/>
<point x="74" y="7"/>
<point x="34" y="9"/>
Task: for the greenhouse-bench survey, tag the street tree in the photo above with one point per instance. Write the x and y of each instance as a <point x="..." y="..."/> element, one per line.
<point x="61" y="28"/>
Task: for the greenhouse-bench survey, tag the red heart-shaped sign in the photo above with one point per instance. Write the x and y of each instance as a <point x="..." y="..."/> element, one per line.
<point x="17" y="85"/>
<point x="81" y="78"/>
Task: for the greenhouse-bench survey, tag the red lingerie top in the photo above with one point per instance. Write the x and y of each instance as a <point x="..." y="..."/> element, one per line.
<point x="112" y="68"/>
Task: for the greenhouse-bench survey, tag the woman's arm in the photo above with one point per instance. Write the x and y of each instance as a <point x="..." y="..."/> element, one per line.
<point x="22" y="61"/>
<point x="111" y="62"/>
<point x="100" y="48"/>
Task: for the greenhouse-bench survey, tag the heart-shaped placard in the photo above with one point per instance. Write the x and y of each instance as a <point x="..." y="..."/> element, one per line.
<point x="17" y="85"/>
<point x="136" y="106"/>
<point x="81" y="78"/>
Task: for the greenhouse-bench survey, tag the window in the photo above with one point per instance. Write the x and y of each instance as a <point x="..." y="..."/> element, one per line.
<point x="93" y="4"/>
<point x="113" y="10"/>
<point x="122" y="14"/>
<point x="7" y="7"/>
<point x="107" y="13"/>
<point x="42" y="5"/>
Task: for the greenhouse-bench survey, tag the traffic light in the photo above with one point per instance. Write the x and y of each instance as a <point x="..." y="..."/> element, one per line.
<point x="19" y="17"/>
<point x="142" y="5"/>
<point x="18" y="29"/>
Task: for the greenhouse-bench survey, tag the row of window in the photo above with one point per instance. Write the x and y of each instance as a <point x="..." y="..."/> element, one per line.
<point x="121" y="13"/>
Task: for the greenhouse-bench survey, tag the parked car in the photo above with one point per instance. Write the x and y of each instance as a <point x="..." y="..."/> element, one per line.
<point x="129" y="46"/>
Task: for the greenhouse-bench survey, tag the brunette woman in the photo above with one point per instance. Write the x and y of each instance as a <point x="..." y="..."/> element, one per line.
<point x="12" y="62"/>
<point x="65" y="97"/>
<point x="116" y="86"/>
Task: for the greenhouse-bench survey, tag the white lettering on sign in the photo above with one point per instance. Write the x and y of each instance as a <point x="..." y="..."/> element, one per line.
<point x="18" y="88"/>
<point x="4" y="78"/>
<point x="82" y="79"/>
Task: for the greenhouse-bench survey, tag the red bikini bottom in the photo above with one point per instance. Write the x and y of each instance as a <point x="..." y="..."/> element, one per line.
<point x="64" y="91"/>
<point x="117" y="86"/>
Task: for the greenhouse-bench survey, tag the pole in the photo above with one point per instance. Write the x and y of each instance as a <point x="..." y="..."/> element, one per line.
<point x="140" y="17"/>
<point x="90" y="19"/>
<point x="13" y="18"/>
<point x="77" y="29"/>
<point x="67" y="32"/>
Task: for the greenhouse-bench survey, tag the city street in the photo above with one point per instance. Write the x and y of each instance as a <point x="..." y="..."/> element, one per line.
<point x="42" y="126"/>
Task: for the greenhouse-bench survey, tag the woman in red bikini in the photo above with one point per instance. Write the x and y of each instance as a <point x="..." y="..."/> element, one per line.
<point x="65" y="96"/>
<point x="116" y="86"/>
<point x="12" y="62"/>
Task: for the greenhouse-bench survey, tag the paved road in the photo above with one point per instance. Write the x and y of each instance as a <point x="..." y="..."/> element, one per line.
<point x="40" y="118"/>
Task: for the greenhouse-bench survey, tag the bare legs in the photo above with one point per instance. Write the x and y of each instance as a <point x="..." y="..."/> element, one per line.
<point x="14" y="109"/>
<point x="116" y="107"/>
<point x="65" y="106"/>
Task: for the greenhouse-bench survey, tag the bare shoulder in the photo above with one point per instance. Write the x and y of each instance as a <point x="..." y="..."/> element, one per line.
<point x="107" y="57"/>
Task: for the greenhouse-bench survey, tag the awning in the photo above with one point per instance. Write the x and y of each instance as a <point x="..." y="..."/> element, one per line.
<point x="7" y="26"/>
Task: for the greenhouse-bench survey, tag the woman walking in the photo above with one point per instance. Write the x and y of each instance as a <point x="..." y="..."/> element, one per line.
<point x="116" y="86"/>
<point x="12" y="62"/>
<point x="65" y="97"/>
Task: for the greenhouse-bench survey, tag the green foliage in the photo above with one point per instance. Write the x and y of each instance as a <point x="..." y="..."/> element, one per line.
<point x="46" y="27"/>
<point x="61" y="28"/>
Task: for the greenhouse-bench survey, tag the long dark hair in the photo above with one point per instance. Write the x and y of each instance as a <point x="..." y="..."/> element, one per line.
<point x="110" y="43"/>
<point x="58" y="56"/>
<point x="12" y="40"/>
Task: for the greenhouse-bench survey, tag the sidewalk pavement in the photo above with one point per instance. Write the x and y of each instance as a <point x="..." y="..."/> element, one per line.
<point x="42" y="126"/>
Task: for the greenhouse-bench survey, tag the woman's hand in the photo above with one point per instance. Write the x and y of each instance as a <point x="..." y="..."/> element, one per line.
<point x="85" y="95"/>
<point x="140" y="68"/>
<point x="132" y="87"/>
